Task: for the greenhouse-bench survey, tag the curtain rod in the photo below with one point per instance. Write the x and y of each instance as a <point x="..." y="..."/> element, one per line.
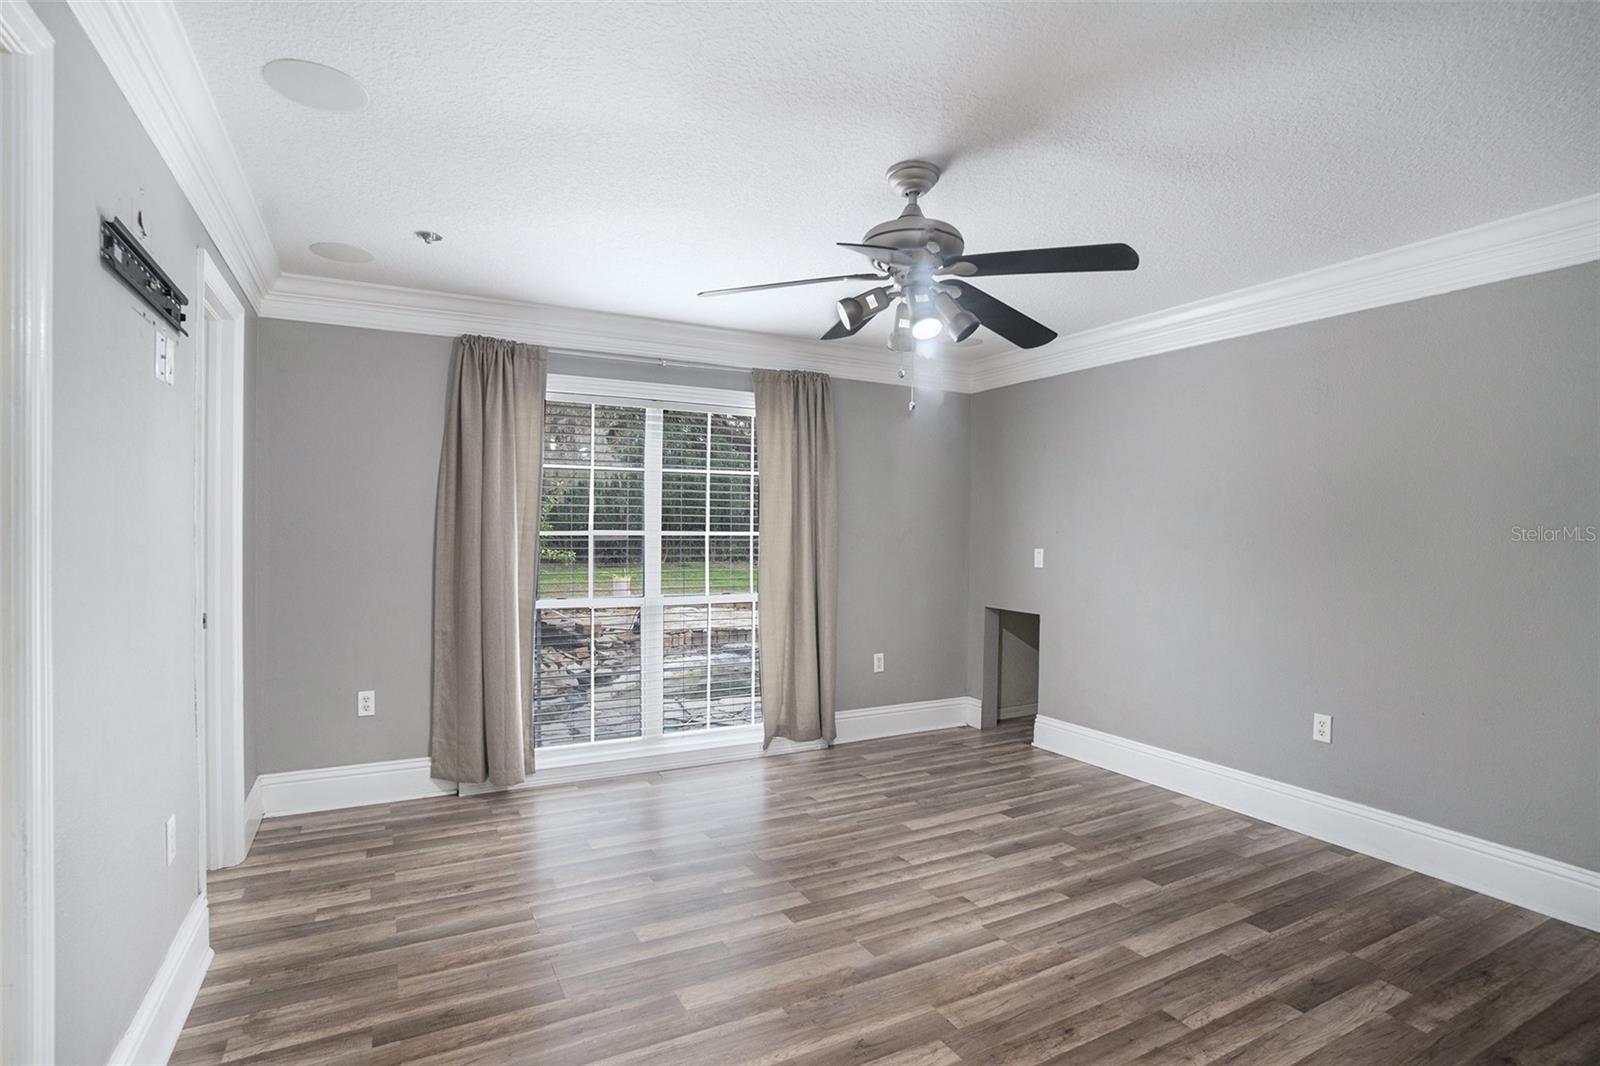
<point x="651" y="360"/>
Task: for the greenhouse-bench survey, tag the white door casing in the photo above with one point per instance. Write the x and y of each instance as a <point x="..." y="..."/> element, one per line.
<point x="27" y="859"/>
<point x="219" y="320"/>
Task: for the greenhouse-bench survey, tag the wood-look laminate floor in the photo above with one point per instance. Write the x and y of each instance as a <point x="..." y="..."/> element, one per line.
<point x="952" y="897"/>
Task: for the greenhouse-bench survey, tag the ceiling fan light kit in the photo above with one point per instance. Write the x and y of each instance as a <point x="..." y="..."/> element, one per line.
<point x="900" y="336"/>
<point x="916" y="254"/>
<point x="925" y="324"/>
<point x="857" y="311"/>
<point x="958" y="321"/>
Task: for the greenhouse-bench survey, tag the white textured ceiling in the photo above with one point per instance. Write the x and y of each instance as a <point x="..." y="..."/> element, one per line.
<point x="620" y="157"/>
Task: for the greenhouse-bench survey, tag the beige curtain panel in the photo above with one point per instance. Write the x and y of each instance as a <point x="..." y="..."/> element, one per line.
<point x="485" y="553"/>
<point x="799" y="568"/>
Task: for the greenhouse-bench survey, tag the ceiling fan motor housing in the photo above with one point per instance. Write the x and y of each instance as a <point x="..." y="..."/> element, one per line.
<point x="911" y="232"/>
<point x="931" y="239"/>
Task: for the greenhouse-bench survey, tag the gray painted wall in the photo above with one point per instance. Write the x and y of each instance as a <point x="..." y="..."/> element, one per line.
<point x="124" y="588"/>
<point x="902" y="543"/>
<point x="348" y="425"/>
<point x="1320" y="519"/>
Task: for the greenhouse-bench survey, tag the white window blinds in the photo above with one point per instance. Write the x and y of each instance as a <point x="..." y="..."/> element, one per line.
<point x="646" y="610"/>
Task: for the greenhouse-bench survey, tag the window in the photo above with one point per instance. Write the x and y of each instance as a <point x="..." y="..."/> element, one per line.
<point x="646" y="622"/>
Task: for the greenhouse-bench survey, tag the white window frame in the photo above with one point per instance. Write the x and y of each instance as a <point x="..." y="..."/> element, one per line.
<point x="653" y="397"/>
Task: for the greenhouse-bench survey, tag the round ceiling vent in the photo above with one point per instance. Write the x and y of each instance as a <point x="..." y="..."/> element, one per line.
<point x="315" y="85"/>
<point x="341" y="253"/>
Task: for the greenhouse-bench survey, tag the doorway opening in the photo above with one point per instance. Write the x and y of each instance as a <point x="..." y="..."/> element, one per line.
<point x="1010" y="666"/>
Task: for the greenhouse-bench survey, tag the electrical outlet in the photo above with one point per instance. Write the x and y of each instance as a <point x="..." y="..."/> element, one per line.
<point x="877" y="662"/>
<point x="366" y="703"/>
<point x="1322" y="728"/>
<point x="162" y="354"/>
<point x="1038" y="558"/>
<point x="172" y="838"/>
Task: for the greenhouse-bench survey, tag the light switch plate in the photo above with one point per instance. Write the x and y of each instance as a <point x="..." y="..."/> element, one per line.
<point x="1038" y="558"/>
<point x="366" y="703"/>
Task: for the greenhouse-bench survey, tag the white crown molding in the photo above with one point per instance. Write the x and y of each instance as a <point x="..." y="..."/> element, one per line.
<point x="1548" y="886"/>
<point x="367" y="305"/>
<point x="153" y="1032"/>
<point x="148" y="53"/>
<point x="1547" y="239"/>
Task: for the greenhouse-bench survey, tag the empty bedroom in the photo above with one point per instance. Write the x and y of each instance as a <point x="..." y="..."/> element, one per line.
<point x="831" y="534"/>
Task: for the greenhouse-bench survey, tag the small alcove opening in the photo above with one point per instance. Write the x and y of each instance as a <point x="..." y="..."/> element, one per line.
<point x="1010" y="666"/>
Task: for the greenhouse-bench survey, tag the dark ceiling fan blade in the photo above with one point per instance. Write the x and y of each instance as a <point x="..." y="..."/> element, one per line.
<point x="1004" y="319"/>
<point x="1075" y="259"/>
<point x="790" y="284"/>
<point x="840" y="331"/>
<point x="882" y="253"/>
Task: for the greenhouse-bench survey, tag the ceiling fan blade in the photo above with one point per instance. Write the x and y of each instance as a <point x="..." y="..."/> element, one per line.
<point x="882" y="253"/>
<point x="1004" y="319"/>
<point x="790" y="284"/>
<point x="1075" y="259"/>
<point x="840" y="331"/>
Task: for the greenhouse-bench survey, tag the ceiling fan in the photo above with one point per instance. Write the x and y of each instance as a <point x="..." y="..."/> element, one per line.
<point x="923" y="267"/>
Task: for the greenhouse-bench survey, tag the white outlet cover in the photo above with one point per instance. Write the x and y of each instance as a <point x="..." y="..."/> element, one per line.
<point x="1038" y="558"/>
<point x="877" y="662"/>
<point x="1322" y="728"/>
<point x="366" y="703"/>
<point x="172" y="838"/>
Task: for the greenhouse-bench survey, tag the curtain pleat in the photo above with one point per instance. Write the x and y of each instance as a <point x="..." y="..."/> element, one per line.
<point x="486" y="523"/>
<point x="799" y="566"/>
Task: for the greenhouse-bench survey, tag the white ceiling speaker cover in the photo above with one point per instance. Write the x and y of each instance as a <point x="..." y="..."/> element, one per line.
<point x="315" y="85"/>
<point x="341" y="253"/>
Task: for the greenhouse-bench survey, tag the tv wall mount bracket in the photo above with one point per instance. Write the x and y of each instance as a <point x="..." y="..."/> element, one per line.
<point x="125" y="257"/>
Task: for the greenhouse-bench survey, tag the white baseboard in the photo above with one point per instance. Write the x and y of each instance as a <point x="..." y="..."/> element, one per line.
<point x="565" y="766"/>
<point x="897" y="719"/>
<point x="333" y="787"/>
<point x="254" y="811"/>
<point x="623" y="758"/>
<point x="153" y="1033"/>
<point x="1559" y="889"/>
